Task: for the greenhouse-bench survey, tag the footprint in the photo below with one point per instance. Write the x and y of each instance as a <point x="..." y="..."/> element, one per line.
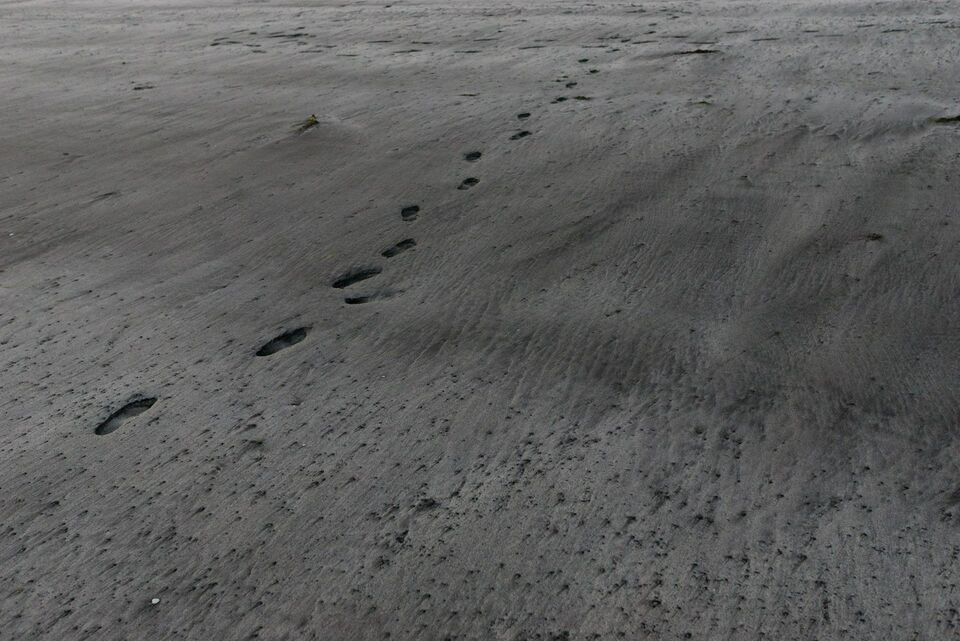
<point x="523" y="116"/>
<point x="399" y="248"/>
<point x="410" y="212"/>
<point x="468" y="183"/>
<point x="519" y="135"/>
<point x="472" y="156"/>
<point x="131" y="409"/>
<point x="559" y="99"/>
<point x="355" y="276"/>
<point x="368" y="298"/>
<point x="283" y="341"/>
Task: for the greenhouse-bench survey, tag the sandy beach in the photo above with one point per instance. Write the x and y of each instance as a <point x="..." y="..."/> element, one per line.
<point x="510" y="321"/>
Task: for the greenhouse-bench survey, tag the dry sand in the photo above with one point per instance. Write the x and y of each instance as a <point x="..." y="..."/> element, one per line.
<point x="681" y="363"/>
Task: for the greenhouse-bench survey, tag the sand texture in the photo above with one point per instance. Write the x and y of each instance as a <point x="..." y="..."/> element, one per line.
<point x="523" y="321"/>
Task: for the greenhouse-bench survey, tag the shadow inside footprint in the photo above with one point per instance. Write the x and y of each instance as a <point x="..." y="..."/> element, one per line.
<point x="131" y="409"/>
<point x="523" y="116"/>
<point x="283" y="341"/>
<point x="368" y="298"/>
<point x="400" y="247"/>
<point x="468" y="183"/>
<point x="519" y="135"/>
<point x="472" y="156"/>
<point x="410" y="212"/>
<point x="355" y="276"/>
<point x="692" y="52"/>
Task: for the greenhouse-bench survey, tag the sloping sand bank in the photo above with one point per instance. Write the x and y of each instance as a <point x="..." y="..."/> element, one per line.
<point x="559" y="321"/>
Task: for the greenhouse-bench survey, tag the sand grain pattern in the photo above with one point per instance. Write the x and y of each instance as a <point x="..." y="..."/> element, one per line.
<point x="677" y="360"/>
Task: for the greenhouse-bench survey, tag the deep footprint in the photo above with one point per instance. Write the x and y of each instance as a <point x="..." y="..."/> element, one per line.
<point x="410" y="212"/>
<point x="399" y="248"/>
<point x="468" y="183"/>
<point x="355" y="276"/>
<point x="523" y="116"/>
<point x="472" y="156"/>
<point x="519" y="135"/>
<point x="283" y="341"/>
<point x="131" y="409"/>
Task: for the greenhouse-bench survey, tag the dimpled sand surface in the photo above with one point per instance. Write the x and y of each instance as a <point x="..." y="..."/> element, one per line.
<point x="508" y="321"/>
